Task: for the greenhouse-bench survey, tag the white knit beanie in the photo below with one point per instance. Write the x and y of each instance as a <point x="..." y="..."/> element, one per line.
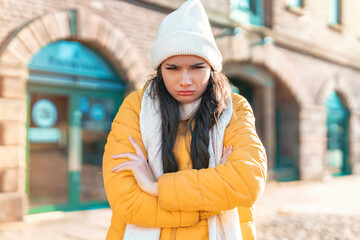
<point x="186" y="31"/>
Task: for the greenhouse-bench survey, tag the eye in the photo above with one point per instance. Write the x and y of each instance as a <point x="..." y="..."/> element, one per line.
<point x="171" y="68"/>
<point x="198" y="66"/>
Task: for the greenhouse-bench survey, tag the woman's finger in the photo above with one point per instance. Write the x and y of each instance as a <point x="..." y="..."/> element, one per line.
<point x="129" y="165"/>
<point x="228" y="151"/>
<point x="138" y="149"/>
<point x="223" y="159"/>
<point x="226" y="154"/>
<point x="122" y="168"/>
<point x="130" y="156"/>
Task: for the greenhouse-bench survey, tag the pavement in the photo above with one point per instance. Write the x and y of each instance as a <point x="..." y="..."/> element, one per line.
<point x="306" y="210"/>
<point x="300" y="210"/>
<point x="78" y="225"/>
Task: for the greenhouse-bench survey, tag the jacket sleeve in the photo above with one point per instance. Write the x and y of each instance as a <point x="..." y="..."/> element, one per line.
<point x="127" y="201"/>
<point x="239" y="182"/>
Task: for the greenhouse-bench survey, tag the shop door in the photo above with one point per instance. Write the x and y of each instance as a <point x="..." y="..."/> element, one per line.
<point x="73" y="96"/>
<point x="337" y="123"/>
<point x="97" y="113"/>
<point x="243" y="89"/>
<point x="48" y="149"/>
<point x="67" y="132"/>
<point x="285" y="168"/>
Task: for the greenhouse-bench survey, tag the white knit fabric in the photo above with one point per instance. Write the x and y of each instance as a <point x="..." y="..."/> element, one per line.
<point x="187" y="110"/>
<point x="225" y="226"/>
<point x="186" y="31"/>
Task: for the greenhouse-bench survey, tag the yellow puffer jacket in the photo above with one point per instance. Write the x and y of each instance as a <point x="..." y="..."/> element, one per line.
<point x="188" y="197"/>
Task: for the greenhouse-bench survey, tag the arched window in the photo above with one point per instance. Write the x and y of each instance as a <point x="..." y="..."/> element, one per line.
<point x="73" y="96"/>
<point x="337" y="122"/>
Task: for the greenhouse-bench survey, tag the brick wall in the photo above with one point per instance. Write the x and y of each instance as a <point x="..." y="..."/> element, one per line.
<point x="137" y="20"/>
<point x="316" y="72"/>
<point x="311" y="25"/>
<point x="268" y="13"/>
<point x="222" y="6"/>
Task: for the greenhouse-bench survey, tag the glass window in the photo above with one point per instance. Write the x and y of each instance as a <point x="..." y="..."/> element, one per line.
<point x="337" y="123"/>
<point x="248" y="5"/>
<point x="335" y="12"/>
<point x="296" y="3"/>
<point x="249" y="12"/>
<point x="97" y="115"/>
<point x="48" y="164"/>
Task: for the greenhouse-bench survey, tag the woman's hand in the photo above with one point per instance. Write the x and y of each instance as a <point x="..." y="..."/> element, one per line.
<point x="140" y="168"/>
<point x="226" y="154"/>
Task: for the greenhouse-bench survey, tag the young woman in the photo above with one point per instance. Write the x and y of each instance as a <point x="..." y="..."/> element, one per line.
<point x="183" y="160"/>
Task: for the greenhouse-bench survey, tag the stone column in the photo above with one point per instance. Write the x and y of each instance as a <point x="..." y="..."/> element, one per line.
<point x="354" y="142"/>
<point x="269" y="120"/>
<point x="312" y="149"/>
<point x="12" y="142"/>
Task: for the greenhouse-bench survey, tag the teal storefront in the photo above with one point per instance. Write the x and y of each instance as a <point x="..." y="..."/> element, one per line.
<point x="73" y="94"/>
<point x="337" y="123"/>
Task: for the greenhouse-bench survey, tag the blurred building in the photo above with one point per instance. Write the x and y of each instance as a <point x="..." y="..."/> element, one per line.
<point x="65" y="67"/>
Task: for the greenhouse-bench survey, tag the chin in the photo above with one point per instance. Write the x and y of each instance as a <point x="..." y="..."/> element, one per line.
<point x="186" y="101"/>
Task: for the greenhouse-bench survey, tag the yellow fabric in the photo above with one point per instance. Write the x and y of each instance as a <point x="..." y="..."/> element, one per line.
<point x="188" y="197"/>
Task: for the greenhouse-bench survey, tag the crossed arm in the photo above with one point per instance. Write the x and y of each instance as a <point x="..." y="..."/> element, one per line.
<point x="177" y="198"/>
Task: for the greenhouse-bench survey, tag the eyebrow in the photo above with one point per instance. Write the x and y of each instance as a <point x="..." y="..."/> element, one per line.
<point x="172" y="65"/>
<point x="193" y="65"/>
<point x="197" y="64"/>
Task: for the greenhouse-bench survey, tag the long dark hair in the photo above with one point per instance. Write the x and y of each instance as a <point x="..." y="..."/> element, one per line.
<point x="212" y="104"/>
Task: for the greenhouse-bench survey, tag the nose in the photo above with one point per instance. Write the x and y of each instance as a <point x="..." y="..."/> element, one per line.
<point x="185" y="79"/>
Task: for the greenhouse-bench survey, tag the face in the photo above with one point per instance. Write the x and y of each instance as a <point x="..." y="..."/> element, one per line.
<point x="186" y="77"/>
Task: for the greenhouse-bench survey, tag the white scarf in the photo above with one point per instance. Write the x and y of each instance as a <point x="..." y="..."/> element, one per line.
<point x="225" y="226"/>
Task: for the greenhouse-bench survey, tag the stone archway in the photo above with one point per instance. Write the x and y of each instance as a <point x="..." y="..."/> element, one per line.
<point x="341" y="87"/>
<point x="238" y="48"/>
<point x="263" y="100"/>
<point x="15" y="53"/>
<point x="338" y="85"/>
<point x="77" y="25"/>
<point x="263" y="53"/>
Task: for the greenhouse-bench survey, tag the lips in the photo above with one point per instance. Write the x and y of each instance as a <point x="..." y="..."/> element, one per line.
<point x="186" y="93"/>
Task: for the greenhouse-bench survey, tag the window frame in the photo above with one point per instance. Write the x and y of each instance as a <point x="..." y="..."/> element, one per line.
<point x="251" y="8"/>
<point x="252" y="16"/>
<point x="296" y="3"/>
<point x="335" y="16"/>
